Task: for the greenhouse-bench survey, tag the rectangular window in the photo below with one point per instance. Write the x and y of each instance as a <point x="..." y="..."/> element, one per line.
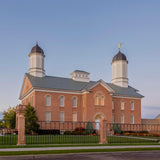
<point x="74" y="102"/>
<point x="122" y="118"/>
<point x="96" y="100"/>
<point x="48" y="100"/>
<point x="122" y="105"/>
<point x="132" y="119"/>
<point x="61" y="116"/>
<point x="31" y="101"/>
<point x="112" y="105"/>
<point x="48" y="116"/>
<point x="74" y="116"/>
<point x="102" y="101"/>
<point x="132" y="106"/>
<point x="62" y="101"/>
<point x="83" y="101"/>
<point x="113" y="118"/>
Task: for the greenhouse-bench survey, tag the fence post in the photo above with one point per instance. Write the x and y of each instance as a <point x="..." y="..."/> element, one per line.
<point x="103" y="131"/>
<point x="21" y="124"/>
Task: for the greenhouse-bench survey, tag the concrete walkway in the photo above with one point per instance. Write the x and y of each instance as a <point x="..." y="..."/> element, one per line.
<point x="75" y="148"/>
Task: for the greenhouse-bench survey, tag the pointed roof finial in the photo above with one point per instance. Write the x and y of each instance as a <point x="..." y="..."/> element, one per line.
<point x="36" y="42"/>
<point x="119" y="46"/>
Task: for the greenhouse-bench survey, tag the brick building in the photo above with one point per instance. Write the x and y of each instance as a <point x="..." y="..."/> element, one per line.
<point x="79" y="99"/>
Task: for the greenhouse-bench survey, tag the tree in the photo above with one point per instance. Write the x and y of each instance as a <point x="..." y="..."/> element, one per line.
<point x="89" y="128"/>
<point x="31" y="119"/>
<point x="9" y="117"/>
<point x="117" y="128"/>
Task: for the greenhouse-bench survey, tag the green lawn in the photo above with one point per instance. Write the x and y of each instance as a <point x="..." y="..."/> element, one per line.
<point x="9" y="153"/>
<point x="69" y="139"/>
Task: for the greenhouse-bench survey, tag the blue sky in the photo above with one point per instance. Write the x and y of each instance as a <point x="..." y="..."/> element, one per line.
<point x="81" y="34"/>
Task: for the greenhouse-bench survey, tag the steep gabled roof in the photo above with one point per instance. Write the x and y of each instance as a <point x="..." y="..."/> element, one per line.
<point x="59" y="83"/>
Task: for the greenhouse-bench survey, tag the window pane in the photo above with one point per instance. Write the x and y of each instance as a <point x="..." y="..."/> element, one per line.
<point x="62" y="101"/>
<point x="132" y="119"/>
<point x="122" y="105"/>
<point x="74" y="116"/>
<point x="122" y="118"/>
<point x="74" y="102"/>
<point x="96" y="100"/>
<point x="112" y="118"/>
<point x="61" y="116"/>
<point x="48" y="116"/>
<point x="113" y="105"/>
<point x="102" y="100"/>
<point x="48" y="100"/>
<point x="132" y="105"/>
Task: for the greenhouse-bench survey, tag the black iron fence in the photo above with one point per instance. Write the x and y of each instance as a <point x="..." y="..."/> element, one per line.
<point x="133" y="133"/>
<point x="69" y="132"/>
<point x="8" y="133"/>
<point x="80" y="133"/>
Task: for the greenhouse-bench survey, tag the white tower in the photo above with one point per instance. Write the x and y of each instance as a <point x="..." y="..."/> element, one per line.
<point x="119" y="70"/>
<point x="36" y="58"/>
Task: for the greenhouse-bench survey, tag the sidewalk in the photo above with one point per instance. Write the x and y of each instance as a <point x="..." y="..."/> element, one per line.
<point x="75" y="148"/>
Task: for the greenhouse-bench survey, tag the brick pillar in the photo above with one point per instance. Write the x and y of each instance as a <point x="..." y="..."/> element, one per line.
<point x="103" y="131"/>
<point x="20" y="122"/>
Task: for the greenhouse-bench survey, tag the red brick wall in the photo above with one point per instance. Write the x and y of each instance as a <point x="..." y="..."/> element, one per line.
<point x="127" y="112"/>
<point x="89" y="109"/>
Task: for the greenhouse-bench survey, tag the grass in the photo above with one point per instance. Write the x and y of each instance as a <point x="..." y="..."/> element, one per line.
<point x="69" y="139"/>
<point x="74" y="151"/>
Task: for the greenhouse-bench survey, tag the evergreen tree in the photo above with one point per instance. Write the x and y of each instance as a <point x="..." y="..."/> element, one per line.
<point x="89" y="128"/>
<point x="31" y="120"/>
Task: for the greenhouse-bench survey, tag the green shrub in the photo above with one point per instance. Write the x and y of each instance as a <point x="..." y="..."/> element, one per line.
<point x="67" y="132"/>
<point x="89" y="128"/>
<point x="117" y="128"/>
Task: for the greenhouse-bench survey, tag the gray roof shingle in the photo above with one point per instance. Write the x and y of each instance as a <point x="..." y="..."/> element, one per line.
<point x="59" y="83"/>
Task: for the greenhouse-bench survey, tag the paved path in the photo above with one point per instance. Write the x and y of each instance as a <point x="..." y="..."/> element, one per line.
<point x="74" y="148"/>
<point x="149" y="155"/>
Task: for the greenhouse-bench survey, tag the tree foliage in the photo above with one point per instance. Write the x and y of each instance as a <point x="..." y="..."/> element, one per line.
<point x="31" y="120"/>
<point x="9" y="118"/>
<point x="89" y="127"/>
<point x="117" y="128"/>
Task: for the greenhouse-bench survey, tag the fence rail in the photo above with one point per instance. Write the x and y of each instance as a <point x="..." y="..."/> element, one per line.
<point x="69" y="132"/>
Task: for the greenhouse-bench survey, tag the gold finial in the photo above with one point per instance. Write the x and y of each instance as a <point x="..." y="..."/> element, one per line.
<point x="119" y="46"/>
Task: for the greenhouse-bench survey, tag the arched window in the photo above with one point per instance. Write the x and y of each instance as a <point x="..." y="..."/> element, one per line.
<point x="74" y="101"/>
<point x="61" y="101"/>
<point x="102" y="100"/>
<point x="96" y="100"/>
<point x="48" y="100"/>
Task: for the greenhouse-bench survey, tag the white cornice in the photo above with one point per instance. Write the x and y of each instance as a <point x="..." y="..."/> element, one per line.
<point x="126" y="97"/>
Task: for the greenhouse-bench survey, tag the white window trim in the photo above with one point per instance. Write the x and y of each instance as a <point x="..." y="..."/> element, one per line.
<point x="131" y="106"/>
<point x="62" y="121"/>
<point x="112" y="105"/>
<point x="123" y="118"/>
<point x="48" y="121"/>
<point x="49" y="101"/>
<point x="76" y="116"/>
<point x="122" y="105"/>
<point x="133" y="119"/>
<point x="60" y="101"/>
<point x="73" y="103"/>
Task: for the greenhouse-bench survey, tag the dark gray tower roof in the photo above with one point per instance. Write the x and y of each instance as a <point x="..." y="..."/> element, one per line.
<point x="119" y="56"/>
<point x="37" y="49"/>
